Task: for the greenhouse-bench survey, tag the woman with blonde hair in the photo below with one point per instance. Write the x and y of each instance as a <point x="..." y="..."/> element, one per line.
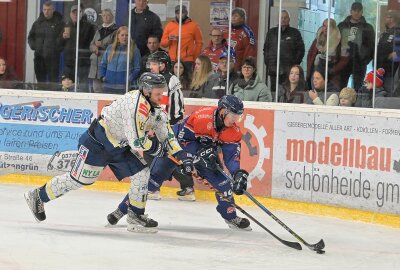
<point x="114" y="62"/>
<point x="201" y="86"/>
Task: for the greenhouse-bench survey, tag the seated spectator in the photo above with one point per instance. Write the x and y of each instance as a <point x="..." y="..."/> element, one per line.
<point x="183" y="76"/>
<point x="220" y="78"/>
<point x="67" y="83"/>
<point x="216" y="46"/>
<point x="316" y="95"/>
<point x="347" y="97"/>
<point x="365" y="93"/>
<point x="249" y="86"/>
<point x="337" y="56"/>
<point x="114" y="63"/>
<point x="201" y="86"/>
<point x="103" y="37"/>
<point x="8" y="79"/>
<point x="292" y="90"/>
<point x="153" y="44"/>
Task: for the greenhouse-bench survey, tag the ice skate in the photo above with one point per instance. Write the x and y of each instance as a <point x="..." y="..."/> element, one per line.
<point x="35" y="204"/>
<point x="141" y="223"/>
<point x="114" y="217"/>
<point x="239" y="223"/>
<point x="186" y="194"/>
<point x="155" y="195"/>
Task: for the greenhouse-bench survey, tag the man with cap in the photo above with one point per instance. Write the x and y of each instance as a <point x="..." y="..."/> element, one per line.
<point x="291" y="50"/>
<point x="388" y="51"/>
<point x="219" y="79"/>
<point x="144" y="23"/>
<point x="67" y="40"/>
<point x="242" y="37"/>
<point x="358" y="37"/>
<point x="191" y="38"/>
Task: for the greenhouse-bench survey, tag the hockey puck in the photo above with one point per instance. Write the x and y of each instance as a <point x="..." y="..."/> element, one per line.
<point x="320" y="251"/>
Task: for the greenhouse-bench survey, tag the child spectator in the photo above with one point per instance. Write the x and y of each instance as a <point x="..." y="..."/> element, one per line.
<point x="365" y="93"/>
<point x="347" y="97"/>
<point x="67" y="83"/>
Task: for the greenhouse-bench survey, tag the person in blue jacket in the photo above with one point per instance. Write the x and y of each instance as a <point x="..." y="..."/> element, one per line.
<point x="113" y="67"/>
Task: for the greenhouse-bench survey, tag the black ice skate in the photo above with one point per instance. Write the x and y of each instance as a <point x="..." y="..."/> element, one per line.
<point x="239" y="223"/>
<point x="186" y="194"/>
<point x="141" y="223"/>
<point x="114" y="217"/>
<point x="35" y="204"/>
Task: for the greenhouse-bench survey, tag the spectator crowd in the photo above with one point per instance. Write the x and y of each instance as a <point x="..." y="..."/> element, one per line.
<point x="110" y="59"/>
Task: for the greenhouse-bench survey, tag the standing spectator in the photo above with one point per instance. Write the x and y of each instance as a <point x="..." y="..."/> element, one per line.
<point x="358" y="37"/>
<point x="153" y="44"/>
<point x="144" y="23"/>
<point x="68" y="42"/>
<point x="347" y="97"/>
<point x="220" y="78"/>
<point x="216" y="46"/>
<point x="337" y="56"/>
<point x="291" y="50"/>
<point x="191" y="38"/>
<point x="8" y="79"/>
<point x="113" y="64"/>
<point x="183" y="76"/>
<point x="365" y="93"/>
<point x="201" y="85"/>
<point x="249" y="86"/>
<point x="242" y="38"/>
<point x="102" y="38"/>
<point x="292" y="90"/>
<point x="388" y="58"/>
<point x="42" y="40"/>
<point x="316" y="95"/>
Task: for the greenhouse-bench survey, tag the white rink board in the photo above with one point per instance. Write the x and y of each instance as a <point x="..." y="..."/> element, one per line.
<point x="346" y="147"/>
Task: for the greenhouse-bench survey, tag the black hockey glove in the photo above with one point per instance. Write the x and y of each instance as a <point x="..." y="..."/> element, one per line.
<point x="207" y="158"/>
<point x="186" y="167"/>
<point x="239" y="184"/>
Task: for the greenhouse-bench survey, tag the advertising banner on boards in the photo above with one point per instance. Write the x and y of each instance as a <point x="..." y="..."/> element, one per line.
<point x="337" y="159"/>
<point x="40" y="136"/>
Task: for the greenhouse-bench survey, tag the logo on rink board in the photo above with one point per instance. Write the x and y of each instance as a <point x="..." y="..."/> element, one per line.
<point x="256" y="154"/>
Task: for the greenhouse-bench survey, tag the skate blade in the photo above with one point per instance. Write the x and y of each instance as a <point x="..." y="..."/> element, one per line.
<point x="108" y="225"/>
<point x="140" y="229"/>
<point x="187" y="198"/>
<point x="26" y="196"/>
<point x="236" y="228"/>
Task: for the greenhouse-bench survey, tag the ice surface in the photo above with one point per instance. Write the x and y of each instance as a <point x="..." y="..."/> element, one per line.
<point x="191" y="236"/>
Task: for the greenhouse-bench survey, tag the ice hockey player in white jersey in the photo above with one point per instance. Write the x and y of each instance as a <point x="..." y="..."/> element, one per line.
<point x="123" y="127"/>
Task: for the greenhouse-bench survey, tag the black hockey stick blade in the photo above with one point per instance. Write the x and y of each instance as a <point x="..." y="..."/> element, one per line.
<point x="318" y="246"/>
<point x="294" y="245"/>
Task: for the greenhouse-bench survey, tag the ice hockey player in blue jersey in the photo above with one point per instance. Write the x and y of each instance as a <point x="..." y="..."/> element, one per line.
<point x="113" y="139"/>
<point x="200" y="134"/>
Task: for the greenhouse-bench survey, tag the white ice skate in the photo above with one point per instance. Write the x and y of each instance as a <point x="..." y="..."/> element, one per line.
<point x="239" y="223"/>
<point x="155" y="195"/>
<point x="141" y="223"/>
<point x="186" y="194"/>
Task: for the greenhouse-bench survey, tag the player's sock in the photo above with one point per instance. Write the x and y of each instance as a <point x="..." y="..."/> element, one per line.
<point x="239" y="223"/>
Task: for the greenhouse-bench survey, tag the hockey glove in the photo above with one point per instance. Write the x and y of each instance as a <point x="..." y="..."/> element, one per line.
<point x="186" y="167"/>
<point x="239" y="184"/>
<point x="207" y="158"/>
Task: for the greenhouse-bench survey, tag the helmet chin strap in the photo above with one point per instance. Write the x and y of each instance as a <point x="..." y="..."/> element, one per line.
<point x="148" y="98"/>
<point x="220" y="120"/>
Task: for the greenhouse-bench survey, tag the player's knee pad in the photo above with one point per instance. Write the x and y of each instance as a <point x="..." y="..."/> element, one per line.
<point x="82" y="172"/>
<point x="138" y="190"/>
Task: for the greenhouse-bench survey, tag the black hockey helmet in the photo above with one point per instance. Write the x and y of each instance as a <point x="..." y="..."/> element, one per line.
<point x="149" y="81"/>
<point x="231" y="104"/>
<point x="161" y="57"/>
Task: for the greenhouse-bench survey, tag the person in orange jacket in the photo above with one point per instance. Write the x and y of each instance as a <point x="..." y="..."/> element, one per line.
<point x="191" y="38"/>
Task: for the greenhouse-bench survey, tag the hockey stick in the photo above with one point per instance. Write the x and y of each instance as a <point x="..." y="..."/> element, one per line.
<point x="315" y="247"/>
<point x="294" y="245"/>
